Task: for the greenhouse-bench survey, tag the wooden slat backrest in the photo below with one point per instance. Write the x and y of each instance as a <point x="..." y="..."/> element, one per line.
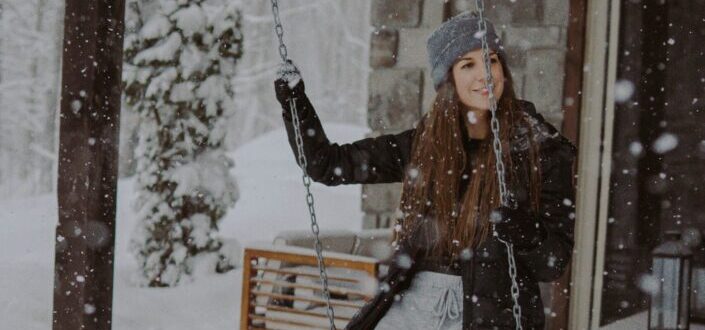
<point x="261" y="274"/>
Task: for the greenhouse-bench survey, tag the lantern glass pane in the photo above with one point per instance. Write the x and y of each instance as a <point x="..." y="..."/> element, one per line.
<point x="655" y="314"/>
<point x="684" y="294"/>
<point x="669" y="291"/>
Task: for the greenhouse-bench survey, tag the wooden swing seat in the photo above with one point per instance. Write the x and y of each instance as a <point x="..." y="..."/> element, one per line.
<point x="281" y="285"/>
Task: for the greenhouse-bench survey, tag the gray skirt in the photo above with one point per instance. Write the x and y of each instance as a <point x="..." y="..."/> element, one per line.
<point x="433" y="301"/>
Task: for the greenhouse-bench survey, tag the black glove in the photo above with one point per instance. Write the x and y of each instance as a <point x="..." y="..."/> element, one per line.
<point x="288" y="75"/>
<point x="516" y="226"/>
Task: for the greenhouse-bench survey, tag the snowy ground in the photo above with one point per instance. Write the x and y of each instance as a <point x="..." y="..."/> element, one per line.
<point x="271" y="200"/>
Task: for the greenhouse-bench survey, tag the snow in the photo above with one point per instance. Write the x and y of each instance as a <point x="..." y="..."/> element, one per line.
<point x="309" y="252"/>
<point x="162" y="51"/>
<point x="635" y="148"/>
<point x="472" y="117"/>
<point x="665" y="143"/>
<point x="623" y="90"/>
<point x="202" y="175"/>
<point x="192" y="60"/>
<point x="160" y="82"/>
<point x="182" y="92"/>
<point x="272" y="201"/>
<point x="190" y="19"/>
<point x="156" y="27"/>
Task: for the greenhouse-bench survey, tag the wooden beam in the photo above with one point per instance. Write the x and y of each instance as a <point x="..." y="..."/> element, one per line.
<point x="88" y="154"/>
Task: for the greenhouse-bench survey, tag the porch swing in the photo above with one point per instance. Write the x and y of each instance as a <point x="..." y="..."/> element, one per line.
<point x="263" y="271"/>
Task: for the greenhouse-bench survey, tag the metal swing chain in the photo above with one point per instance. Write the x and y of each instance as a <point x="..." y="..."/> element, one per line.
<point x="497" y="146"/>
<point x="306" y="179"/>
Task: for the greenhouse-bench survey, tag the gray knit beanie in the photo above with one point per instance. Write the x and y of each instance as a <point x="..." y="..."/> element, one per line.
<point x="453" y="39"/>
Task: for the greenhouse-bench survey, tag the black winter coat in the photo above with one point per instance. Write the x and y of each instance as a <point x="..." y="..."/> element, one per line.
<point x="487" y="302"/>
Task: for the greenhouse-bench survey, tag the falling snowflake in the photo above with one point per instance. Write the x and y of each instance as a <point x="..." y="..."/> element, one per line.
<point x="88" y="309"/>
<point x="368" y="284"/>
<point x="404" y="261"/>
<point x="636" y="148"/>
<point x="569" y="101"/>
<point x="649" y="284"/>
<point x="466" y="254"/>
<point x="623" y="90"/>
<point x="76" y="106"/>
<point x="472" y="117"/>
<point x="665" y="143"/>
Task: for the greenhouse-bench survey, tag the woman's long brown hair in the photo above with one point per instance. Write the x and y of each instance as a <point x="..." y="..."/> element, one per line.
<point x="432" y="184"/>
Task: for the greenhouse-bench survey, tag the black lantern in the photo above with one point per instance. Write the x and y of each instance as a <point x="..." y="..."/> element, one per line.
<point x="671" y="269"/>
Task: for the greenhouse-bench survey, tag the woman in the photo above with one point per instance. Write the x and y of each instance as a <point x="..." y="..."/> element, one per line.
<point x="449" y="271"/>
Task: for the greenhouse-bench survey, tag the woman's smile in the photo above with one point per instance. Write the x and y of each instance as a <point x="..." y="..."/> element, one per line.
<point x="483" y="91"/>
<point x="470" y="78"/>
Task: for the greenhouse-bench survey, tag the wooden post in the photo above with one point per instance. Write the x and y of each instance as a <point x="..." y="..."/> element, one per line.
<point x="574" y="61"/>
<point x="572" y="90"/>
<point x="88" y="155"/>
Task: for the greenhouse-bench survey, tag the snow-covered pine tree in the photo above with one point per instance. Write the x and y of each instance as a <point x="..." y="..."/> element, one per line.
<point x="180" y="57"/>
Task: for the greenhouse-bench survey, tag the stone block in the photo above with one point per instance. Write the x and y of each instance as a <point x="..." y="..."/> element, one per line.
<point x="412" y="48"/>
<point x="555" y="12"/>
<point x="514" y="12"/>
<point x="412" y="54"/>
<point x="526" y="38"/>
<point x="394" y="98"/>
<point x="429" y="92"/>
<point x="396" y="13"/>
<point x="506" y="12"/>
<point x="499" y="12"/>
<point x="516" y="57"/>
<point x="544" y="79"/>
<point x="377" y="198"/>
<point x="518" y="76"/>
<point x="432" y="13"/>
<point x="384" y="44"/>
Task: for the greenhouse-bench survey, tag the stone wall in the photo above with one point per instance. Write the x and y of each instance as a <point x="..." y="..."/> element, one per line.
<point x="400" y="88"/>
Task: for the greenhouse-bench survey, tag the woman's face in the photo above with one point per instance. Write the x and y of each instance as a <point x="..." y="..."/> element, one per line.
<point x="469" y="77"/>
